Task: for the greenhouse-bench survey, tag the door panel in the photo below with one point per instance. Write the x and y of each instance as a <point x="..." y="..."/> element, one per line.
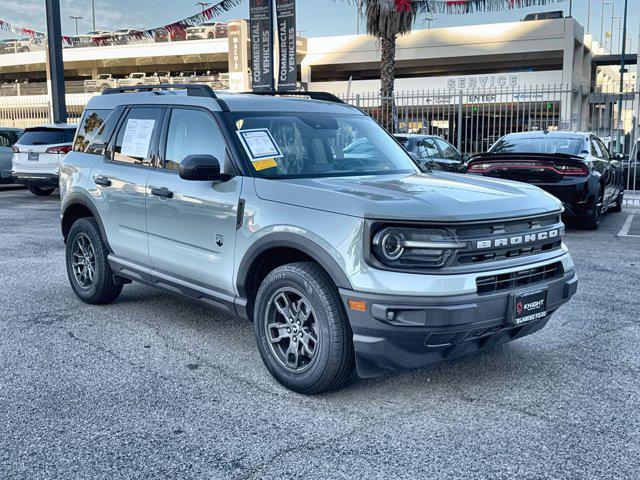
<point x="121" y="183"/>
<point x="192" y="235"/>
<point x="192" y="230"/>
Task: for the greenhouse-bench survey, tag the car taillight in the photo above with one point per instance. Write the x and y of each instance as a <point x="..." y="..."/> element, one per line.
<point x="572" y="170"/>
<point x="61" y="149"/>
<point x="16" y="149"/>
<point x="478" y="167"/>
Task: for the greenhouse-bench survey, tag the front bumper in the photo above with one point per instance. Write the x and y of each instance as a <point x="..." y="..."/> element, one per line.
<point x="427" y="330"/>
<point x="37" y="179"/>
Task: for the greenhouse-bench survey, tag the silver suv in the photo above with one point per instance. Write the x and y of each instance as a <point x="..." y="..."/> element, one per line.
<point x="250" y="203"/>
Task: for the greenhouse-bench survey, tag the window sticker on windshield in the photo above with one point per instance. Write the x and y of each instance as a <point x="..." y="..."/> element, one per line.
<point x="259" y="144"/>
<point x="264" y="164"/>
<point x="137" y="137"/>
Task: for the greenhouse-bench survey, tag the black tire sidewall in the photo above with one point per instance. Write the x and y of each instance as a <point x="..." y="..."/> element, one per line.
<point x="103" y="274"/>
<point x="307" y="381"/>
<point x="40" y="191"/>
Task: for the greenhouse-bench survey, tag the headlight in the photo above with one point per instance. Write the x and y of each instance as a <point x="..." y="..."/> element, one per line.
<point x="405" y="247"/>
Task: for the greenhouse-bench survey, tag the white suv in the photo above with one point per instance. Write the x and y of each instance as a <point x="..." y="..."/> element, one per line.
<point x="37" y="155"/>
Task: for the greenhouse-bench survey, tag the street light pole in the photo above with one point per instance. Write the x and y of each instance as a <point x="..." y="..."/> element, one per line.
<point x="93" y="14"/>
<point x="54" y="61"/>
<point x="589" y="17"/>
<point x="622" y="59"/>
<point x="203" y="5"/>
<point x="602" y="36"/>
<point x="76" y="18"/>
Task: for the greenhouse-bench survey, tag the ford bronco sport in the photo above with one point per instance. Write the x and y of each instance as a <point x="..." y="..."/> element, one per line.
<point x="250" y="203"/>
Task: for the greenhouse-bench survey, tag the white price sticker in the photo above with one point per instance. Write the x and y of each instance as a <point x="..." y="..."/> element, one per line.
<point x="259" y="144"/>
<point x="137" y="137"/>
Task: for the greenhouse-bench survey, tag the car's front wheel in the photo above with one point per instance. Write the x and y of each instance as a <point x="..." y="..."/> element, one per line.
<point x="87" y="265"/>
<point x="41" y="191"/>
<point x="301" y="328"/>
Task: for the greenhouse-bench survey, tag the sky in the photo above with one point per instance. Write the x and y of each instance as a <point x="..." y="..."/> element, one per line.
<point x="315" y="17"/>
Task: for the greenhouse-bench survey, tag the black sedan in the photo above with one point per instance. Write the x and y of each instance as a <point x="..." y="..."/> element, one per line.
<point x="433" y="152"/>
<point x="576" y="167"/>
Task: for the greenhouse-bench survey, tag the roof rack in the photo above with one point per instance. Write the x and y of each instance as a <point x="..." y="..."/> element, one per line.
<point x="326" y="96"/>
<point x="193" y="90"/>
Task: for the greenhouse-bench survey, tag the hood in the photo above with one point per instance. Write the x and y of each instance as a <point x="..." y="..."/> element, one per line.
<point x="438" y="196"/>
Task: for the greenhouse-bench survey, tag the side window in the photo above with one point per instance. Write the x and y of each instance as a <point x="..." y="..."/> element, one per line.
<point x="428" y="149"/>
<point x="7" y="138"/>
<point x="603" y="148"/>
<point x="136" y="136"/>
<point x="448" y="151"/>
<point x="595" y="148"/>
<point x="92" y="121"/>
<point x="193" y="132"/>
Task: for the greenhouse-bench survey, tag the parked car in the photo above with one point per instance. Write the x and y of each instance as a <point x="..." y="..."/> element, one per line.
<point x="164" y="35"/>
<point x="8" y="137"/>
<point x="434" y="152"/>
<point x="160" y="77"/>
<point x="207" y="30"/>
<point x="249" y="203"/>
<point x="100" y="83"/>
<point x="95" y="38"/>
<point x="126" y="36"/>
<point x="135" y="78"/>
<point x="575" y="167"/>
<point x="37" y="155"/>
<point x="188" y="76"/>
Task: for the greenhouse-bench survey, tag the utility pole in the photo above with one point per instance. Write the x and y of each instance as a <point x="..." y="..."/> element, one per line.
<point x="204" y="5"/>
<point x="76" y="18"/>
<point x="93" y="14"/>
<point x="602" y="36"/>
<point x="54" y="61"/>
<point x="589" y="17"/>
<point x="622" y="59"/>
<point x="613" y="19"/>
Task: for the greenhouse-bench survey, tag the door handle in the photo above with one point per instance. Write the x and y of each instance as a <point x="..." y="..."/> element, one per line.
<point x="102" y="180"/>
<point x="162" y="192"/>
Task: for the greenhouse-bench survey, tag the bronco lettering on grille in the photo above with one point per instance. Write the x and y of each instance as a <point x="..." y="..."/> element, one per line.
<point x="518" y="239"/>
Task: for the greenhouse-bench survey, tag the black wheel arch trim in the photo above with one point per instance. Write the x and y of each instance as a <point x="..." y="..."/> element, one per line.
<point x="77" y="198"/>
<point x="294" y="241"/>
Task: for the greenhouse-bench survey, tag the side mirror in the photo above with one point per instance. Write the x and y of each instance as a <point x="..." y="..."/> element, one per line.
<point x="465" y="157"/>
<point x="202" y="168"/>
<point x="618" y="156"/>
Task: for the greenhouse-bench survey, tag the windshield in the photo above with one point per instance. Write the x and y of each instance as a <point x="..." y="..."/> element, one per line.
<point x="297" y="145"/>
<point x="538" y="144"/>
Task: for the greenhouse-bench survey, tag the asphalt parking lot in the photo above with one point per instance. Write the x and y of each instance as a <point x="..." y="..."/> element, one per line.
<point x="158" y="387"/>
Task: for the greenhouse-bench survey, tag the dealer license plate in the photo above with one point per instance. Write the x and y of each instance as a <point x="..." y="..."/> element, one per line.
<point x="528" y="306"/>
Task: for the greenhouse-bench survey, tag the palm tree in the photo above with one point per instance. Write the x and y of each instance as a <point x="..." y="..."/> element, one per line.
<point x="386" y="20"/>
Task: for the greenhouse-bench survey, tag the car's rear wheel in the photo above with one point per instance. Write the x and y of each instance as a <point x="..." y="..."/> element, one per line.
<point x="41" y="191"/>
<point x="617" y="207"/>
<point x="88" y="268"/>
<point x="301" y="328"/>
<point x="592" y="222"/>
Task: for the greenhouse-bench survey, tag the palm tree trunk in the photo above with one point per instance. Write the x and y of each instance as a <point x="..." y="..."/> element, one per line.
<point x="387" y="79"/>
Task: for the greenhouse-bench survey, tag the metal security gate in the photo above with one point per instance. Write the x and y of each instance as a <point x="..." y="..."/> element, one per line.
<point x="474" y="119"/>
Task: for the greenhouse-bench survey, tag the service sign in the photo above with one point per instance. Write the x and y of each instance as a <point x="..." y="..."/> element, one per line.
<point x="261" y="19"/>
<point x="286" y="19"/>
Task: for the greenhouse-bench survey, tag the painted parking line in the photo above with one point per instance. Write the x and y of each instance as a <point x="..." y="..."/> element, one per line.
<point x="624" y="231"/>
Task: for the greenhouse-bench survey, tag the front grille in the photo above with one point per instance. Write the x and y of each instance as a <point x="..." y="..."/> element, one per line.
<point x="520" y="278"/>
<point x="506" y="228"/>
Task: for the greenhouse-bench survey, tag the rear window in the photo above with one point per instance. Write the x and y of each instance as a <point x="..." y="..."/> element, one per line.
<point x="8" y="138"/>
<point x="89" y="126"/>
<point x="537" y="144"/>
<point x="47" y="136"/>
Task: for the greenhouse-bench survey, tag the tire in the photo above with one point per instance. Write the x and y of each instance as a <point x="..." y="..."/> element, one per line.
<point x="316" y="366"/>
<point x="592" y="222"/>
<point x="100" y="287"/>
<point x="41" y="191"/>
<point x="617" y="207"/>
